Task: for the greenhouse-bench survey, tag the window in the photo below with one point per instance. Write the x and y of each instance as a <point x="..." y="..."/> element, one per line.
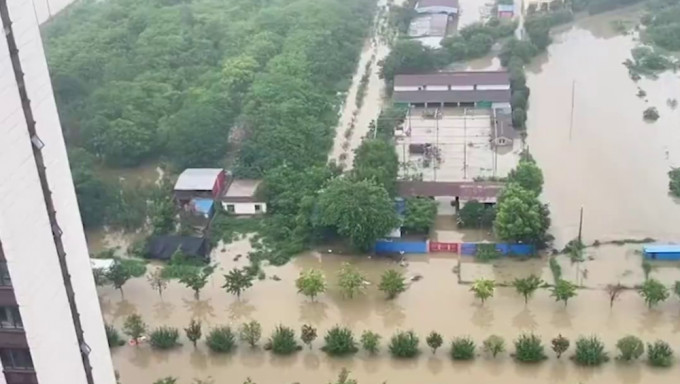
<point x="10" y="318"/>
<point x="5" y="280"/>
<point x="258" y="208"/>
<point x="230" y="208"/>
<point x="16" y="359"/>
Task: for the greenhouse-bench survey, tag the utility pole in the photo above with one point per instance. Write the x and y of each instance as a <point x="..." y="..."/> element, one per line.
<point x="436" y="146"/>
<point x="465" y="144"/>
<point x="580" y="226"/>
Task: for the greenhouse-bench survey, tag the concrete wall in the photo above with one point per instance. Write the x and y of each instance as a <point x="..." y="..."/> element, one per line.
<point x="24" y="224"/>
<point x="246" y="208"/>
<point x="493" y="87"/>
<point x="437" y="9"/>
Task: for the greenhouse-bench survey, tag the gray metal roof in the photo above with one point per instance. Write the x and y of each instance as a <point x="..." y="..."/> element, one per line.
<point x="437" y="3"/>
<point x="503" y="127"/>
<point x="459" y="78"/>
<point x="197" y="179"/>
<point x="494" y="96"/>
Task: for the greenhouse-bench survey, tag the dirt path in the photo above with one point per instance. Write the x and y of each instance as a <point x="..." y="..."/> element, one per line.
<point x="355" y="119"/>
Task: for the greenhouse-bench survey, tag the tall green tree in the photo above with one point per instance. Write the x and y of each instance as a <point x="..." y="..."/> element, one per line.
<point x="118" y="274"/>
<point x="407" y="56"/>
<point x="528" y="175"/>
<point x="520" y="216"/>
<point x="420" y="214"/>
<point x="376" y="160"/>
<point x="311" y="283"/>
<point x="483" y="289"/>
<point x="360" y="211"/>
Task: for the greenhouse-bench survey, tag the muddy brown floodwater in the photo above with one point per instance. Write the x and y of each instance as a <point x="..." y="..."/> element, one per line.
<point x="437" y="302"/>
<point x="612" y="163"/>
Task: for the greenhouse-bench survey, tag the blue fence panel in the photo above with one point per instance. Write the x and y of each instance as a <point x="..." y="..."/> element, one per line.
<point x="515" y="249"/>
<point x="388" y="246"/>
<point x="469" y="249"/>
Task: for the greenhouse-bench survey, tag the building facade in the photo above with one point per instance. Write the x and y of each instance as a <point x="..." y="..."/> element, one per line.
<point x="51" y="327"/>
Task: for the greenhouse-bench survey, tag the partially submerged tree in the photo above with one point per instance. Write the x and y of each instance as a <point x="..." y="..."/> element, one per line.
<point x="194" y="331"/>
<point x="527" y="286"/>
<point x="157" y="281"/>
<point x="483" y="289"/>
<point x="237" y="281"/>
<point x="653" y="292"/>
<point x="463" y="348"/>
<point x="590" y="351"/>
<point x="370" y="341"/>
<point x="251" y="332"/>
<point x="350" y="280"/>
<point x="118" y="274"/>
<point x="392" y="282"/>
<point x="614" y="291"/>
<point x="134" y="327"/>
<point x="311" y="283"/>
<point x="420" y="214"/>
<point x="529" y="349"/>
<point x="659" y="354"/>
<point x="563" y="290"/>
<point x="630" y="348"/>
<point x="560" y="344"/>
<point x="404" y="345"/>
<point x="308" y="335"/>
<point x="434" y="340"/>
<point x="493" y="345"/>
<point x="339" y="341"/>
<point x="196" y="278"/>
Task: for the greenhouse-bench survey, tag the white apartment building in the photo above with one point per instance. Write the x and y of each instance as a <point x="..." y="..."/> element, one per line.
<point x="51" y="327"/>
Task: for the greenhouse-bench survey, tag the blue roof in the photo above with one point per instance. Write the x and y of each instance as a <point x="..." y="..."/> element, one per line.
<point x="203" y="205"/>
<point x="661" y="248"/>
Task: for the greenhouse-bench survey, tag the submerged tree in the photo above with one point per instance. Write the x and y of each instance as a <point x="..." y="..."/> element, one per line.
<point x="563" y="291"/>
<point x="370" y="341"/>
<point x="527" y="286"/>
<point x="157" y="281"/>
<point x="194" y="331"/>
<point x="118" y="274"/>
<point x="434" y="340"/>
<point x="560" y="344"/>
<point x="134" y="327"/>
<point x="350" y="280"/>
<point x="311" y="283"/>
<point x="614" y="291"/>
<point x="308" y="335"/>
<point x="237" y="281"/>
<point x="251" y="332"/>
<point x="493" y="345"/>
<point x="392" y="282"/>
<point x="197" y="278"/>
<point x="483" y="289"/>
<point x="630" y="348"/>
<point x="653" y="292"/>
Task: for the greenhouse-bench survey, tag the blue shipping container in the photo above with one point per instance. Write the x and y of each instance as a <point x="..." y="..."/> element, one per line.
<point x="388" y="246"/>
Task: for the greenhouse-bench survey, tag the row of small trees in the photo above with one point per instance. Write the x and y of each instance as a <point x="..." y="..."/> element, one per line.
<point x="341" y="341"/>
<point x="652" y="291"/>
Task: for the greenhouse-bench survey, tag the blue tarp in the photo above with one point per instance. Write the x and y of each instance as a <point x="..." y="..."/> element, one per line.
<point x="388" y="246"/>
<point x="203" y="206"/>
<point x="504" y="249"/>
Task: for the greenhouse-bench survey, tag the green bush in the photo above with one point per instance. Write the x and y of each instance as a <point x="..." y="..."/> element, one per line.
<point x="659" y="354"/>
<point x="221" y="339"/>
<point x="282" y="341"/>
<point x="462" y="348"/>
<point x="590" y="351"/>
<point x="339" y="342"/>
<point x="529" y="349"/>
<point x="494" y="345"/>
<point x="113" y="337"/>
<point x="404" y="345"/>
<point x="630" y="348"/>
<point x="164" y="338"/>
<point x="370" y="341"/>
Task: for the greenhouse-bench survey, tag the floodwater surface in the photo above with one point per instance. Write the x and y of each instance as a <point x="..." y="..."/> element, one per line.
<point x="437" y="302"/>
<point x="608" y="161"/>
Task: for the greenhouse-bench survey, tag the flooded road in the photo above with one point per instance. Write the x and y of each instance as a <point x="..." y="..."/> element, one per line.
<point x="436" y="302"/>
<point x="610" y="161"/>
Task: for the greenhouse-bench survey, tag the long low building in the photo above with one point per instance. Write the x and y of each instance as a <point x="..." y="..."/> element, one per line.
<point x="437" y="6"/>
<point x="486" y="89"/>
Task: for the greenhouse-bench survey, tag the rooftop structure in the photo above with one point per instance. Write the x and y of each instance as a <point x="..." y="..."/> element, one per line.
<point x="437" y="6"/>
<point x="503" y="133"/>
<point x="484" y="192"/>
<point x="241" y="198"/>
<point x="197" y="179"/>
<point x="163" y="247"/>
<point x="483" y="88"/>
<point x="429" y="25"/>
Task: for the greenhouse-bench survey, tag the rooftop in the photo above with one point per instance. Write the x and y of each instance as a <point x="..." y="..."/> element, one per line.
<point x="428" y="25"/>
<point x="494" y="96"/>
<point x="503" y="127"/>
<point x="437" y="3"/>
<point x="197" y="179"/>
<point x="481" y="191"/>
<point x="242" y="188"/>
<point x="661" y="248"/>
<point x="457" y="78"/>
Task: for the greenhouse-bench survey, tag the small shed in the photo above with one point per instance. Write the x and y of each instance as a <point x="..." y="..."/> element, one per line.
<point x="202" y="207"/>
<point x="661" y="251"/>
<point x="163" y="247"/>
<point x="506" y="11"/>
<point x="199" y="182"/>
<point x="503" y="133"/>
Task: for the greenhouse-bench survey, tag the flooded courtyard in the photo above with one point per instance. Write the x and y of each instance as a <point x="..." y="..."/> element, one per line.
<point x="437" y="302"/>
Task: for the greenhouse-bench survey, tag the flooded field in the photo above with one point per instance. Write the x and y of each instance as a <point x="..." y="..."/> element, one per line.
<point x="436" y="302"/>
<point x="608" y="161"/>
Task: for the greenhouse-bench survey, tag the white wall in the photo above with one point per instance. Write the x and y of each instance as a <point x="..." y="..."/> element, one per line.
<point x="500" y="87"/>
<point x="246" y="208"/>
<point x="405" y="88"/>
<point x="24" y="225"/>
<point x="45" y="9"/>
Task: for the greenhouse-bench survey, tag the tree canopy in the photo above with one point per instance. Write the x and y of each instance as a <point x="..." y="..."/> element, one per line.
<point x="520" y="216"/>
<point x="377" y="160"/>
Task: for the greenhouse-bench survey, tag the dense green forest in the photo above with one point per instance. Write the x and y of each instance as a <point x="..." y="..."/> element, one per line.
<point x="169" y="79"/>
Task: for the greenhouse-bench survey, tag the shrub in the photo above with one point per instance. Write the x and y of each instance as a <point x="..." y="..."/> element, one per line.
<point x="282" y="341"/>
<point x="560" y="344"/>
<point x="370" y="341"/>
<point x="221" y="339"/>
<point x="590" y="351"/>
<point x="659" y="354"/>
<point x="434" y="341"/>
<point x="529" y="349"/>
<point x="404" y="345"/>
<point x="630" y="348"/>
<point x="339" y="342"/>
<point x="113" y="337"/>
<point x="494" y="345"/>
<point x="308" y="335"/>
<point x="194" y="331"/>
<point x="134" y="327"/>
<point x="462" y="348"/>
<point x="251" y="332"/>
<point x="164" y="338"/>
